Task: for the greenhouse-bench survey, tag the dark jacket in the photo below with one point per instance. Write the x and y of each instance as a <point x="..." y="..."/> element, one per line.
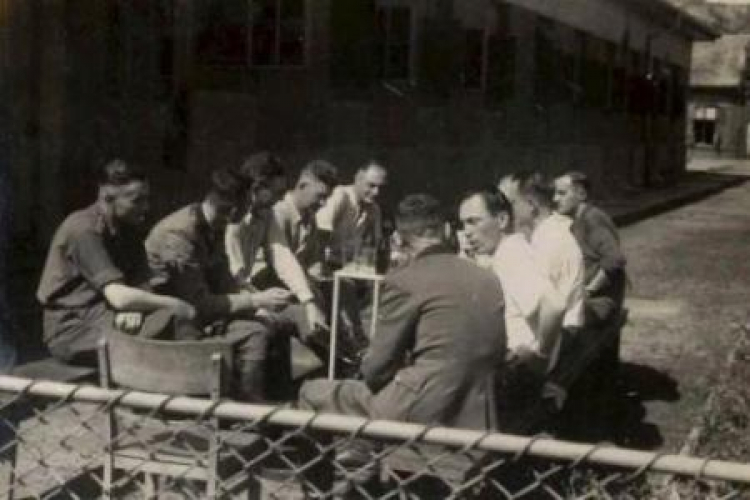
<point x="597" y="236"/>
<point x="441" y="336"/>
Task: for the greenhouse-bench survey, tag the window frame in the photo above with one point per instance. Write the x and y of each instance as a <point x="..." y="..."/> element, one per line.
<point x="307" y="29"/>
<point x="247" y="63"/>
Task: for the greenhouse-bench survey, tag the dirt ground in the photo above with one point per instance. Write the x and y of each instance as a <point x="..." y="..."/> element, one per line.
<point x="690" y="289"/>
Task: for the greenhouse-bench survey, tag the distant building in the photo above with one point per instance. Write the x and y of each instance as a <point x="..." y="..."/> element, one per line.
<point x="719" y="107"/>
<point x="449" y="93"/>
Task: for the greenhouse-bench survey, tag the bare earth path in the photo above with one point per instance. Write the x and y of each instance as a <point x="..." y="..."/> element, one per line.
<point x="690" y="273"/>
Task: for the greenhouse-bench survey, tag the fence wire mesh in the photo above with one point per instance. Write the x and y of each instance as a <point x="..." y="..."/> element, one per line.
<point x="72" y="441"/>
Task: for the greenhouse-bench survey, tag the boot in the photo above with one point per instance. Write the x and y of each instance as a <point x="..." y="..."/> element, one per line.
<point x="250" y="381"/>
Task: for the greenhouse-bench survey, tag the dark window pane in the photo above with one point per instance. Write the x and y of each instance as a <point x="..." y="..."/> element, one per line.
<point x="292" y="9"/>
<point x="264" y="44"/>
<point x="264" y="32"/>
<point x="292" y="43"/>
<point x="400" y="25"/>
<point x="394" y="41"/>
<point x="398" y="62"/>
<point x="473" y="59"/>
<point x="222" y="39"/>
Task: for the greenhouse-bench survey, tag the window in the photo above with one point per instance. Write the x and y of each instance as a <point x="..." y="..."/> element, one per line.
<point x="500" y="78"/>
<point x="546" y="60"/>
<point x="395" y="35"/>
<point x="474" y="61"/>
<point x="704" y="124"/>
<point x="252" y="33"/>
<point x="278" y="33"/>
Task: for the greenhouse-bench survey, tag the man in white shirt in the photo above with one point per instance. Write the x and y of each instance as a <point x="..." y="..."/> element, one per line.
<point x="534" y="310"/>
<point x="351" y="218"/>
<point x="246" y="238"/>
<point x="550" y="236"/>
<point x="293" y="241"/>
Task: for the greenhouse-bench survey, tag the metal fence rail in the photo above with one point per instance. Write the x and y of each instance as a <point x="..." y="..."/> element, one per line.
<point x="58" y="442"/>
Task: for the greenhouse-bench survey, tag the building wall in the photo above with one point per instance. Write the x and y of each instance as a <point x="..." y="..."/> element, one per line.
<point x="732" y="121"/>
<point x="93" y="80"/>
<point x="434" y="143"/>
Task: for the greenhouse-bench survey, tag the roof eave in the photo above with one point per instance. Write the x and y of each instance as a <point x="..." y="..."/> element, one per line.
<point x="689" y="24"/>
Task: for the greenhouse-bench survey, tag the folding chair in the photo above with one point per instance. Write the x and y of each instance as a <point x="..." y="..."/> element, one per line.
<point x="158" y="449"/>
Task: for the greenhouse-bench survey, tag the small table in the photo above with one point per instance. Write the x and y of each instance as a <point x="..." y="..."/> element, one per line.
<point x="351" y="273"/>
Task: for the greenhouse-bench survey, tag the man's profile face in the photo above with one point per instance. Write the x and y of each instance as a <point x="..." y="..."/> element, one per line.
<point x="523" y="210"/>
<point x="265" y="196"/>
<point x="567" y="198"/>
<point x="313" y="194"/>
<point x="482" y="230"/>
<point x="225" y="212"/>
<point x="369" y="182"/>
<point x="130" y="202"/>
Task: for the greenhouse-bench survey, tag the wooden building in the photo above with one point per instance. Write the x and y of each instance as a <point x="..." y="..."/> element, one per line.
<point x="448" y="93"/>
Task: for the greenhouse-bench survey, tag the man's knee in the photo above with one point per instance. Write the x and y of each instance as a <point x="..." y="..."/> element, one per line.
<point x="347" y="397"/>
<point x="250" y="339"/>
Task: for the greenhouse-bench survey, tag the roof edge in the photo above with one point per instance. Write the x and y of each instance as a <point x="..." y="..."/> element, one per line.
<point x="698" y="28"/>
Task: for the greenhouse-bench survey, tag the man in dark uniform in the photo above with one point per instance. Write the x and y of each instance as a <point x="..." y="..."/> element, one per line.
<point x="440" y="337"/>
<point x="188" y="260"/>
<point x="96" y="273"/>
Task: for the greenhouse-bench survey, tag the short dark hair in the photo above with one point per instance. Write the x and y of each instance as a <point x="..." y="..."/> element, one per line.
<point x="372" y="163"/>
<point x="494" y="200"/>
<point x="323" y="171"/>
<point x="226" y="187"/>
<point x="579" y="180"/>
<point x="119" y="173"/>
<point x="259" y="169"/>
<point x="419" y="215"/>
<point x="535" y="186"/>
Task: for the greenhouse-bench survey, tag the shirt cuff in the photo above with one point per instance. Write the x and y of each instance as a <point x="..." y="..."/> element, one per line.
<point x="306" y="296"/>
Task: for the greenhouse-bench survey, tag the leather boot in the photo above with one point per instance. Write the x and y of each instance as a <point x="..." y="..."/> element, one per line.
<point x="250" y="381"/>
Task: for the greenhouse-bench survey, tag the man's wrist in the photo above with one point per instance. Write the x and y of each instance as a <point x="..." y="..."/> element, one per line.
<point x="241" y="275"/>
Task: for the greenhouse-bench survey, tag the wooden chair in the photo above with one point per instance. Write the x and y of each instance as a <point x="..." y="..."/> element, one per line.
<point x="168" y="449"/>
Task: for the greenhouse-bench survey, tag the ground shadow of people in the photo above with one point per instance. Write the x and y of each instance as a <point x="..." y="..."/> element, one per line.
<point x="600" y="410"/>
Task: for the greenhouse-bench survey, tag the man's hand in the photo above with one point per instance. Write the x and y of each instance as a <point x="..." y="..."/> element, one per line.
<point x="183" y="310"/>
<point x="273" y="299"/>
<point x="129" y="322"/>
<point x="532" y="360"/>
<point x="316" y="319"/>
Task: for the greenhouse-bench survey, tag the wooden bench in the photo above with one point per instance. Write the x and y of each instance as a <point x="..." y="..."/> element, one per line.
<point x="54" y="369"/>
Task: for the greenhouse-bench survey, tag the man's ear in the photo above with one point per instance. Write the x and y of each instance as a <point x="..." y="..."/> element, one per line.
<point x="503" y="220"/>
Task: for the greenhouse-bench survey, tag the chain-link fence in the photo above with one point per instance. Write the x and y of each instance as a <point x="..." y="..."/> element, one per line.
<point x="73" y="441"/>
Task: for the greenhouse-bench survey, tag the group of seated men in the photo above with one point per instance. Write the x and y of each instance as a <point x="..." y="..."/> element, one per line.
<point x="536" y="259"/>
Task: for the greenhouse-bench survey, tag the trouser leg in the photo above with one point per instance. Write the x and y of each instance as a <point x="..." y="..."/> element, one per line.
<point x="346" y="397"/>
<point x="261" y="354"/>
<point x="72" y="335"/>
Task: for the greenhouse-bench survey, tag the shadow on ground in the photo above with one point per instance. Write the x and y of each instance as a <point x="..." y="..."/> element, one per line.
<point x="600" y="411"/>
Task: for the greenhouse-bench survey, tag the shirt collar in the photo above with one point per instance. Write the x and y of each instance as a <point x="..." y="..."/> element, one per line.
<point x="436" y="249"/>
<point x="291" y="207"/>
<point x="349" y="190"/>
<point x="103" y="219"/>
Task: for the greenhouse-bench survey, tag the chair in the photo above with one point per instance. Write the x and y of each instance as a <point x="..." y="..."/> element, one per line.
<point x="157" y="448"/>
